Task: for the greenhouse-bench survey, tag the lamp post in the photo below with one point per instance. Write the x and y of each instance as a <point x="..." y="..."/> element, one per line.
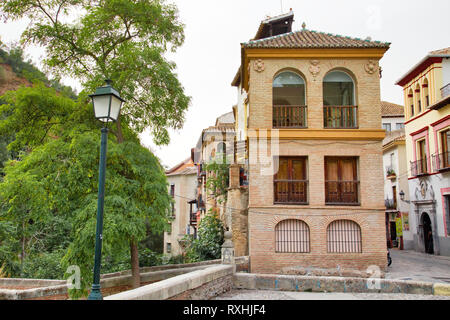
<point x="402" y="197"/>
<point x="107" y="103"/>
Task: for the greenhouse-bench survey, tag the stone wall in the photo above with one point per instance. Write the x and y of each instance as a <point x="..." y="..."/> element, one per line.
<point x="196" y="283"/>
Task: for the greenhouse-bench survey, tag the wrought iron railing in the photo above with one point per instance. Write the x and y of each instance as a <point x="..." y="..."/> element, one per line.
<point x="390" y="204"/>
<point x="419" y="167"/>
<point x="289" y="116"/>
<point x="340" y="117"/>
<point x="441" y="161"/>
<point x="341" y="192"/>
<point x="290" y="191"/>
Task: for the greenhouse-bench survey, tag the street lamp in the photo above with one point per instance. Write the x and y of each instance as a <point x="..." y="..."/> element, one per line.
<point x="107" y="103"/>
<point x="402" y="197"/>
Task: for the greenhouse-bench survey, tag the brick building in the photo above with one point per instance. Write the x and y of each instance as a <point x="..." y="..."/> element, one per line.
<point x="309" y="113"/>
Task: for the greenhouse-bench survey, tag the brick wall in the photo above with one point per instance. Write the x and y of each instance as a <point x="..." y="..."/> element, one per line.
<point x="264" y="215"/>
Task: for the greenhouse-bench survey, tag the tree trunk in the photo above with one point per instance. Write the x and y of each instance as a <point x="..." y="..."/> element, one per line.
<point x="119" y="134"/>
<point x="135" y="274"/>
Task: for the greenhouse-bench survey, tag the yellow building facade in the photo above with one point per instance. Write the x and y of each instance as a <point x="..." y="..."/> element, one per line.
<point x="426" y="89"/>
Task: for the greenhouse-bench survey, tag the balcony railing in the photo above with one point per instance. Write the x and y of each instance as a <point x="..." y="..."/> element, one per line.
<point x="441" y="161"/>
<point x="390" y="204"/>
<point x="290" y="191"/>
<point x="341" y="192"/>
<point x="340" y="117"/>
<point x="193" y="219"/>
<point x="419" y="167"/>
<point x="289" y="116"/>
<point x="445" y="91"/>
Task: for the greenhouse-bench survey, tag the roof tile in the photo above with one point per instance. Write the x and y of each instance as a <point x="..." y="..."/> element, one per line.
<point x="313" y="39"/>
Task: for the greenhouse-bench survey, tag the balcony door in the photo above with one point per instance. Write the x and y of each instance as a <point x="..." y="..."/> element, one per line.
<point x="289" y="101"/>
<point x="341" y="181"/>
<point x="339" y="103"/>
<point x="422" y="156"/>
<point x="290" y="182"/>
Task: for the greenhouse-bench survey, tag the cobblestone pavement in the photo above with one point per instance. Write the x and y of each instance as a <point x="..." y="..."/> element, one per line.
<point x="287" y="295"/>
<point x="412" y="265"/>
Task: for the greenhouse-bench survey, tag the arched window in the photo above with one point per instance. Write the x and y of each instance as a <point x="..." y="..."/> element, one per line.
<point x="425" y="92"/>
<point x="344" y="236"/>
<point x="338" y="89"/>
<point x="339" y="109"/>
<point x="411" y="103"/>
<point x="221" y="148"/>
<point x="292" y="236"/>
<point x="289" y="100"/>
<point x="418" y="100"/>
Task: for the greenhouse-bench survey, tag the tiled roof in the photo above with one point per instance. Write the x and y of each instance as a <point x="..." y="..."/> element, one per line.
<point x="445" y="51"/>
<point x="313" y="39"/>
<point x="180" y="168"/>
<point x="393" y="136"/>
<point x="391" y="109"/>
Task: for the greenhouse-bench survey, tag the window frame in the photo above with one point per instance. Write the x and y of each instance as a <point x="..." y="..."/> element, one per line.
<point x="355" y="180"/>
<point x="340" y="116"/>
<point x="298" y="230"/>
<point x="290" y="115"/>
<point x="290" y="172"/>
<point x="387" y="125"/>
<point x="342" y="238"/>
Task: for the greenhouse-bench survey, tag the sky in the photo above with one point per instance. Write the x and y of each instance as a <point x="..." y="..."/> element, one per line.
<point x="214" y="29"/>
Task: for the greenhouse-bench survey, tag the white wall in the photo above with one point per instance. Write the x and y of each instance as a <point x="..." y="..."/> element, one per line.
<point x="393" y="121"/>
<point x="185" y="186"/>
<point x="445" y="71"/>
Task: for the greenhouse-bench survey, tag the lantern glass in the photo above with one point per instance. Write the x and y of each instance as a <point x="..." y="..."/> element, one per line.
<point x="116" y="104"/>
<point x="101" y="107"/>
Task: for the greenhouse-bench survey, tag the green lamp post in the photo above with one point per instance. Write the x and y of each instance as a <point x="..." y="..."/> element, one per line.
<point x="107" y="103"/>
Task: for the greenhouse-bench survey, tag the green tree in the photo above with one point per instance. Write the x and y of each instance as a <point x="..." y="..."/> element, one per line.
<point x="123" y="40"/>
<point x="56" y="181"/>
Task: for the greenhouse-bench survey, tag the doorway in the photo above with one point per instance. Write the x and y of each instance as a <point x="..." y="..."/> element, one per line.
<point x="427" y="234"/>
<point x="393" y="232"/>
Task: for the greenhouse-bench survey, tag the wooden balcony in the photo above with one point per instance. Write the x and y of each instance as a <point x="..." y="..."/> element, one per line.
<point x="341" y="192"/>
<point x="290" y="191"/>
<point x="340" y="117"/>
<point x="289" y="116"/>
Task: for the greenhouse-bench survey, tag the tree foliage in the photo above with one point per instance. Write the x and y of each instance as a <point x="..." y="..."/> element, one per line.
<point x="217" y="181"/>
<point x="48" y="197"/>
<point x="208" y="244"/>
<point x="123" y="40"/>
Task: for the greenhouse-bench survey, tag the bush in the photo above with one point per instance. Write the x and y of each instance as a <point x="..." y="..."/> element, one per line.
<point x="148" y="258"/>
<point x="208" y="245"/>
<point x="44" y="266"/>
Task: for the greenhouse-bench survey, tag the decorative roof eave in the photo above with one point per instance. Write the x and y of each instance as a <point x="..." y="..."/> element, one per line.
<point x="420" y="67"/>
<point x="237" y="78"/>
<point x="393" y="116"/>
